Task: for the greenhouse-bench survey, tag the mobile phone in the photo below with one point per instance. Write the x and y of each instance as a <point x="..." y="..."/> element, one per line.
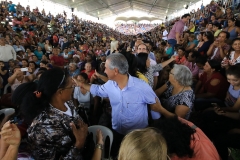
<point x="24" y="69"/>
<point x="12" y="121"/>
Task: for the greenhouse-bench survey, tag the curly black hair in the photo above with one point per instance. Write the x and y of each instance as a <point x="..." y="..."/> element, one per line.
<point x="178" y="136"/>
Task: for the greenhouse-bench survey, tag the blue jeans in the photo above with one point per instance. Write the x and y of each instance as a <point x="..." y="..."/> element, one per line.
<point x="172" y="43"/>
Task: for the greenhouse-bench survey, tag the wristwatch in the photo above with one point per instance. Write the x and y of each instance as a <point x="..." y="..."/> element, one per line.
<point x="100" y="146"/>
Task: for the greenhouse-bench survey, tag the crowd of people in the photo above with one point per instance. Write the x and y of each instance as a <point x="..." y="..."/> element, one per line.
<point x="133" y="29"/>
<point x="176" y="90"/>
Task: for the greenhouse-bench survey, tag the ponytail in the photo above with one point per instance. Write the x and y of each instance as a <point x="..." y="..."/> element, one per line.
<point x="30" y="106"/>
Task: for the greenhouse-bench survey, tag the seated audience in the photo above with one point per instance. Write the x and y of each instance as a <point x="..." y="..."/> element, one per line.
<point x="222" y="124"/>
<point x="34" y="68"/>
<point x="219" y="48"/>
<point x="180" y="58"/>
<point x="192" y="42"/>
<point x="191" y="63"/>
<point x="177" y="95"/>
<point x="24" y="63"/>
<point x="10" y="141"/>
<point x="200" y="41"/>
<point x="234" y="56"/>
<point x="73" y="70"/>
<point x="18" y="47"/>
<point x="211" y="86"/>
<point x="154" y="147"/>
<point x="208" y="39"/>
<point x="233" y="30"/>
<point x="195" y="145"/>
<point x="38" y="52"/>
<point x="216" y="29"/>
<point x="56" y="59"/>
<point x="17" y="78"/>
<point x="88" y="70"/>
<point x="4" y="73"/>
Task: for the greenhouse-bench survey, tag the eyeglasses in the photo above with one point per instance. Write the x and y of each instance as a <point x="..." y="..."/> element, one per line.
<point x="73" y="86"/>
<point x="168" y="158"/>
<point x="62" y="80"/>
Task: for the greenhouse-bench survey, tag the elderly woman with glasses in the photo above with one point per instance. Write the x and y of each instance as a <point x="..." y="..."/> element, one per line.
<point x="176" y="95"/>
<point x="56" y="130"/>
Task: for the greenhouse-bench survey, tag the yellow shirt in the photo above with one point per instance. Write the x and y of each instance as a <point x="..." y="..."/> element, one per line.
<point x="193" y="29"/>
<point x="217" y="33"/>
<point x="141" y="76"/>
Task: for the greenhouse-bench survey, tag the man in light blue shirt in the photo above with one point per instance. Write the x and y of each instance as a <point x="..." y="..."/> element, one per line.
<point x="129" y="96"/>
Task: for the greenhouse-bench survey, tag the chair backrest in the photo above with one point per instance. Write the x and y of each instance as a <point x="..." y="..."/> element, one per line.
<point x="5" y="88"/>
<point x="106" y="132"/>
<point x="7" y="113"/>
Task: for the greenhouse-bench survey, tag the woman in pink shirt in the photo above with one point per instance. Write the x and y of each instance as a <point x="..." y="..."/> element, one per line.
<point x="185" y="141"/>
<point x="191" y="63"/>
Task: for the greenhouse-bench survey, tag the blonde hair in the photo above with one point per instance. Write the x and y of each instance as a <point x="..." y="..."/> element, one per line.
<point x="143" y="144"/>
<point x="114" y="45"/>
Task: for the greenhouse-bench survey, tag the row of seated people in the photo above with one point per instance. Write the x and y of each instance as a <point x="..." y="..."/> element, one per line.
<point x="175" y="89"/>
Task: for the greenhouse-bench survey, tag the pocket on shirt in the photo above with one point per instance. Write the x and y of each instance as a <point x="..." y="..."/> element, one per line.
<point x="133" y="108"/>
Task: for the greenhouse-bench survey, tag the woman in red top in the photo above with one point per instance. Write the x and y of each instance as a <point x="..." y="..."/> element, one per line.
<point x="211" y="87"/>
<point x="88" y="70"/>
<point x="56" y="59"/>
<point x="180" y="58"/>
<point x="55" y="39"/>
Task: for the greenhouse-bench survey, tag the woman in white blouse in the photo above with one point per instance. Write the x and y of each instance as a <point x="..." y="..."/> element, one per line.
<point x="83" y="97"/>
<point x="234" y="56"/>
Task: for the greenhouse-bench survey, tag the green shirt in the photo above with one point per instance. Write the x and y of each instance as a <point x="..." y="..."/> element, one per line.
<point x="217" y="32"/>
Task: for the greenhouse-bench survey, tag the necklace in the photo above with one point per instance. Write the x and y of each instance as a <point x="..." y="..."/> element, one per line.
<point x="182" y="89"/>
<point x="178" y="92"/>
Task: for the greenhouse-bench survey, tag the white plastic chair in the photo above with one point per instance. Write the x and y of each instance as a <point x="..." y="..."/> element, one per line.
<point x="106" y="132"/>
<point x="5" y="88"/>
<point x="7" y="113"/>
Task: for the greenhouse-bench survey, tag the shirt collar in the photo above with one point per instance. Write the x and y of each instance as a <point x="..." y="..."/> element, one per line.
<point x="130" y="82"/>
<point x="182" y="21"/>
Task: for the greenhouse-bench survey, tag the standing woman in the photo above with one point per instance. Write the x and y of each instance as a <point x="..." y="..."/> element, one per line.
<point x="56" y="130"/>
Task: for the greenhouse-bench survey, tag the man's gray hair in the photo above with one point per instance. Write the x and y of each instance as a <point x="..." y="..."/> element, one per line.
<point x="182" y="74"/>
<point x="119" y="61"/>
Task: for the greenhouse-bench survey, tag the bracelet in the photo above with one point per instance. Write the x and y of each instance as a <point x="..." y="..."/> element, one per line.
<point x="100" y="146"/>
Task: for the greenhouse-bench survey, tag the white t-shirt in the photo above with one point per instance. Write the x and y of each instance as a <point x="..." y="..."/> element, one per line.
<point x="84" y="99"/>
<point x="165" y="33"/>
<point x="68" y="111"/>
<point x="153" y="63"/>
